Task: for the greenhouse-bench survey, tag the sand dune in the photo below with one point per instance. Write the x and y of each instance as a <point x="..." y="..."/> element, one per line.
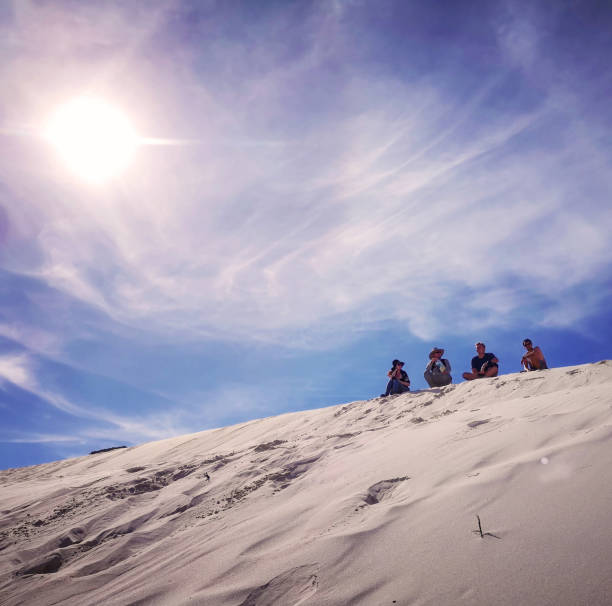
<point x="373" y="502"/>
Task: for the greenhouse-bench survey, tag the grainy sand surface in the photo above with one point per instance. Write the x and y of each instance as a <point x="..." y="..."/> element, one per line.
<point x="373" y="502"/>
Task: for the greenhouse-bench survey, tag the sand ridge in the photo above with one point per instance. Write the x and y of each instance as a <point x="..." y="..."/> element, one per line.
<point x="371" y="502"/>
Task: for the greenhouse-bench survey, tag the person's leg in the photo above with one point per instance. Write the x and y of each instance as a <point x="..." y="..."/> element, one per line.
<point x="443" y="380"/>
<point x="389" y="389"/>
<point x="429" y="378"/>
<point x="438" y="380"/>
<point x="470" y="376"/>
<point x="537" y="363"/>
<point x="398" y="387"/>
<point x="491" y="371"/>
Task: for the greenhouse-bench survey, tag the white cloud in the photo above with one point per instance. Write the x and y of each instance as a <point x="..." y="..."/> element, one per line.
<point x="389" y="210"/>
<point x="34" y="338"/>
<point x="41" y="438"/>
<point x="517" y="34"/>
<point x="16" y="369"/>
<point x="96" y="422"/>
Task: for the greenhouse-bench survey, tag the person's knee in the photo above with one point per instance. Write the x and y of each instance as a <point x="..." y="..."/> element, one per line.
<point x="397" y="387"/>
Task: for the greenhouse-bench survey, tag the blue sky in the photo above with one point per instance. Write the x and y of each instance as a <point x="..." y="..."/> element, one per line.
<point x="334" y="184"/>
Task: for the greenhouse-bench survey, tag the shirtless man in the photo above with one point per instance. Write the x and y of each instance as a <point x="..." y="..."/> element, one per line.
<point x="483" y="365"/>
<point x="533" y="358"/>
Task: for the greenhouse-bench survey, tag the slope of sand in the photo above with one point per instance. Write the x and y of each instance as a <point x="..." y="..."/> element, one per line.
<point x="373" y="502"/>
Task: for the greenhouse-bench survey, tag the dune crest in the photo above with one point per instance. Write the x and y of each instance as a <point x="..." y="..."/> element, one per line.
<point x="495" y="491"/>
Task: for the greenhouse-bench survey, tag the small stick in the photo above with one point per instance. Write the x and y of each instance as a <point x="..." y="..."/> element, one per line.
<point x="484" y="534"/>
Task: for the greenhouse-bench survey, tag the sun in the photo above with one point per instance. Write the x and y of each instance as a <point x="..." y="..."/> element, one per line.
<point x="95" y="139"/>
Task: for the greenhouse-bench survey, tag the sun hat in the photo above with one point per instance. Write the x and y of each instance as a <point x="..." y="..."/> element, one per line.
<point x="434" y="351"/>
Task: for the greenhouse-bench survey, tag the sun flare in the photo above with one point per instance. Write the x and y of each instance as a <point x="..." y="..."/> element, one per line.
<point x="95" y="140"/>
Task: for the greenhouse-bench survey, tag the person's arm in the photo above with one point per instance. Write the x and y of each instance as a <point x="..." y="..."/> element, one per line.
<point x="527" y="360"/>
<point x="485" y="365"/>
<point x="434" y="364"/>
<point x="403" y="378"/>
<point x="491" y="360"/>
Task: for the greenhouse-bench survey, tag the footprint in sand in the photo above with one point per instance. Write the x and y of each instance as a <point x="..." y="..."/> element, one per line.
<point x="477" y="423"/>
<point x="375" y="494"/>
<point x="47" y="565"/>
<point x="382" y="490"/>
<point x="290" y="588"/>
<point x="156" y="481"/>
<point x="73" y="537"/>
<point x="269" y="445"/>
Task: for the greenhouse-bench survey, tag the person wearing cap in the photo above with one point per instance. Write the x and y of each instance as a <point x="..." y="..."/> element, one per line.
<point x="483" y="365"/>
<point x="398" y="379"/>
<point x="533" y="358"/>
<point x="437" y="372"/>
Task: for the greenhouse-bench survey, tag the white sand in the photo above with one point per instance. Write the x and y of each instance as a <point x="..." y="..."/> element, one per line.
<point x="373" y="503"/>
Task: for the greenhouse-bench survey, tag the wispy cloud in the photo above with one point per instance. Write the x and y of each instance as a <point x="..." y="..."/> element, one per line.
<point x="90" y="420"/>
<point x="388" y="203"/>
<point x="16" y="369"/>
<point x="38" y="438"/>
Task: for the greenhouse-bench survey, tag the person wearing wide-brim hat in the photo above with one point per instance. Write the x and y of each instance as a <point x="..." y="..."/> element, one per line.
<point x="438" y="371"/>
<point x="399" y="381"/>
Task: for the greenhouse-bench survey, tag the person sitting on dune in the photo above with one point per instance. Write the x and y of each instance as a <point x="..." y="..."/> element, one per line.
<point x="483" y="365"/>
<point x="398" y="379"/>
<point x="533" y="358"/>
<point x="437" y="372"/>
